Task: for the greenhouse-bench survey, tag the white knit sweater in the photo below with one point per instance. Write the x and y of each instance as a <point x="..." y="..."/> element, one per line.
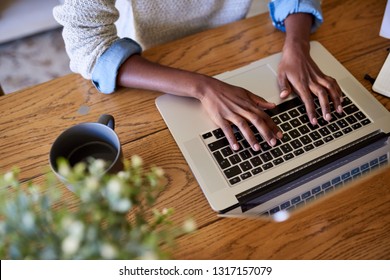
<point x="89" y="27"/>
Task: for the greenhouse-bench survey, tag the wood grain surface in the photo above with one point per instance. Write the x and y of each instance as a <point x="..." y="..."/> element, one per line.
<point x="353" y="224"/>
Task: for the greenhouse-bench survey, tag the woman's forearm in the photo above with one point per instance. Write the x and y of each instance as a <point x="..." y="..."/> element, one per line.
<point x="138" y="72"/>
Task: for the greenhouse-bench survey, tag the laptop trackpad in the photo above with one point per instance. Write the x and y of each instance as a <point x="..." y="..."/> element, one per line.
<point x="260" y="80"/>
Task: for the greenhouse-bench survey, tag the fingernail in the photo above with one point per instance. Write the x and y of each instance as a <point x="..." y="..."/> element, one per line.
<point x="314" y="121"/>
<point x="328" y="117"/>
<point x="279" y="135"/>
<point x="273" y="142"/>
<point x="284" y="93"/>
<point x="236" y="147"/>
<point x="256" y="147"/>
<point x="339" y="109"/>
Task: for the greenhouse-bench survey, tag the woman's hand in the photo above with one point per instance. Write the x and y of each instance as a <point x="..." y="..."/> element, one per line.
<point x="227" y="105"/>
<point x="298" y="72"/>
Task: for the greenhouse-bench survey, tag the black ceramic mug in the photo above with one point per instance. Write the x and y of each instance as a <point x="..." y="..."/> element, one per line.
<point x="83" y="141"/>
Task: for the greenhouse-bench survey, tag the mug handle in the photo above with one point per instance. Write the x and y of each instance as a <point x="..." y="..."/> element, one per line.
<point x="107" y="120"/>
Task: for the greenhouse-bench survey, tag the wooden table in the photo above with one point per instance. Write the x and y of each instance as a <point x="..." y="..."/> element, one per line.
<point x="351" y="225"/>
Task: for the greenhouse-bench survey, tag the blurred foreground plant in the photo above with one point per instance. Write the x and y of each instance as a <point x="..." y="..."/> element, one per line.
<point x="114" y="218"/>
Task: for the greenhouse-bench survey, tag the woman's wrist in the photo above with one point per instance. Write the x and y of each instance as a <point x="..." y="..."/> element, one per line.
<point x="298" y="31"/>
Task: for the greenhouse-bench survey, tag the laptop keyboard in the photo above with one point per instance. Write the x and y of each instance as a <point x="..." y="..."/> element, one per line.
<point x="299" y="137"/>
<point x="328" y="186"/>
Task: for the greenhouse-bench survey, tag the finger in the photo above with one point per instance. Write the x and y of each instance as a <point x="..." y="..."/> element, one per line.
<point x="270" y="132"/>
<point x="267" y="128"/>
<point x="229" y="134"/>
<point x="335" y="93"/>
<point x="284" y="85"/>
<point x="262" y="121"/>
<point x="247" y="132"/>
<point x="322" y="95"/>
<point x="307" y="99"/>
<point x="261" y="102"/>
<point x="275" y="129"/>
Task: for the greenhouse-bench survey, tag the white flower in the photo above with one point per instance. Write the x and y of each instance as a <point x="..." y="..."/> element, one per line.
<point x="189" y="225"/>
<point x="136" y="161"/>
<point x="76" y="228"/>
<point x="34" y="193"/>
<point x="89" y="188"/>
<point x="72" y="227"/>
<point x="97" y="167"/>
<point x="108" y="251"/>
<point x="158" y="171"/>
<point x="123" y="175"/>
<point x="122" y="205"/>
<point x="9" y="176"/>
<point x="64" y="170"/>
<point x="99" y="164"/>
<point x="70" y="245"/>
<point x="92" y="184"/>
<point x="114" y="187"/>
<point x="28" y="221"/>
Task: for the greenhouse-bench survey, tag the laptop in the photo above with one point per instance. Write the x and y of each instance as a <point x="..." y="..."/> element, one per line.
<point x="307" y="164"/>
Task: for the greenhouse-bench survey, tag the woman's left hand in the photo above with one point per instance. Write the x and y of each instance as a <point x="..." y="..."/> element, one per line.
<point x="299" y="73"/>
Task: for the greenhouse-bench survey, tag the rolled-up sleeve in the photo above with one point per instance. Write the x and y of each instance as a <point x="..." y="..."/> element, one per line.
<point x="91" y="41"/>
<point x="106" y="68"/>
<point x="281" y="9"/>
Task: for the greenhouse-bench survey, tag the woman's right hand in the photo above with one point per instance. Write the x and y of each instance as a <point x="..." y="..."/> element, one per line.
<point x="229" y="105"/>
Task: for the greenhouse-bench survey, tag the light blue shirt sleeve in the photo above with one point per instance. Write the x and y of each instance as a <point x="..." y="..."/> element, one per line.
<point x="106" y="68"/>
<point x="280" y="9"/>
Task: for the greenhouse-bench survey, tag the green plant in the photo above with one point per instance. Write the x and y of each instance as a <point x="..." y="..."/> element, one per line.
<point x="113" y="219"/>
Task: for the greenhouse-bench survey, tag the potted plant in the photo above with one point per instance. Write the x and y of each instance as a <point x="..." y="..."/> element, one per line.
<point x="112" y="220"/>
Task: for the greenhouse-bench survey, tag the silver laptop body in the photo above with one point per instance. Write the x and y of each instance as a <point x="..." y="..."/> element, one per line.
<point x="230" y="195"/>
